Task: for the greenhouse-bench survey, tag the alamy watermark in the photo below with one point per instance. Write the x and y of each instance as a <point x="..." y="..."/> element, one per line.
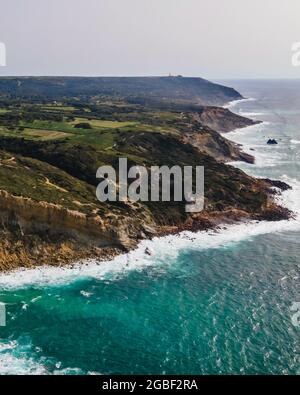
<point x="2" y="314"/>
<point x="296" y="317"/>
<point x="2" y="54"/>
<point x="154" y="184"/>
<point x="296" y="54"/>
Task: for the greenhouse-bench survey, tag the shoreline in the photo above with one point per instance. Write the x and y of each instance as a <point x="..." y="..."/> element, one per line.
<point x="68" y="255"/>
<point x="204" y="222"/>
<point x="164" y="251"/>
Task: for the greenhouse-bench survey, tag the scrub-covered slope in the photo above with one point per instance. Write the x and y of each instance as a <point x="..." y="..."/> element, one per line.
<point x="50" y="151"/>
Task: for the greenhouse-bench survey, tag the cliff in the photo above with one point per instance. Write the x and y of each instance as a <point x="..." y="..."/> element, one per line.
<point x="222" y="119"/>
<point x="49" y="213"/>
<point x="57" y="220"/>
<point x="212" y="143"/>
<point x="37" y="232"/>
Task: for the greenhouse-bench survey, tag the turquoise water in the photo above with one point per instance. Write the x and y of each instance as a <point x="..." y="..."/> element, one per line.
<point x="204" y="304"/>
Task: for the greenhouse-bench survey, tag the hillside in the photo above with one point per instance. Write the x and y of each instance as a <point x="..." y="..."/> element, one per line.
<point x="50" y="151"/>
<point x="154" y="91"/>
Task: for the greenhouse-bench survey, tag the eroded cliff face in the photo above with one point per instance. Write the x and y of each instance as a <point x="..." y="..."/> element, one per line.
<point x="34" y="233"/>
<point x="212" y="143"/>
<point x="222" y="120"/>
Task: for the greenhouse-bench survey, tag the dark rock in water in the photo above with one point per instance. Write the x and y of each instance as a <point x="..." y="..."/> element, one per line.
<point x="278" y="184"/>
<point x="148" y="251"/>
<point x="252" y="149"/>
<point x="272" y="141"/>
<point x="275" y="213"/>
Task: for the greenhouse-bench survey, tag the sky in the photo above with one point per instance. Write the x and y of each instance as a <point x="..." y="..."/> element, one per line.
<point x="214" y="39"/>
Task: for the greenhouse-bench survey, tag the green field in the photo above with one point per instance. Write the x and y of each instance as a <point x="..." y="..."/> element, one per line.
<point x="103" y="124"/>
<point x="103" y="132"/>
<point x="43" y="134"/>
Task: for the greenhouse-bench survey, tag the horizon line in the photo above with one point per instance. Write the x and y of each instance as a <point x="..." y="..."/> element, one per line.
<point x="143" y="76"/>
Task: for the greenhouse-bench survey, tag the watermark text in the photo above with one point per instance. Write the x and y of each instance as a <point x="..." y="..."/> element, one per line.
<point x="296" y="54"/>
<point x="2" y="54"/>
<point x="296" y="317"/>
<point x="152" y="184"/>
<point x="2" y="314"/>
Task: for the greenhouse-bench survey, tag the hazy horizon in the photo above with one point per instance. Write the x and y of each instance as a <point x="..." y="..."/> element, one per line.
<point x="217" y="80"/>
<point x="194" y="38"/>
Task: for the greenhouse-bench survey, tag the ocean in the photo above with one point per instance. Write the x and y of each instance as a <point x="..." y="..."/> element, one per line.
<point x="206" y="303"/>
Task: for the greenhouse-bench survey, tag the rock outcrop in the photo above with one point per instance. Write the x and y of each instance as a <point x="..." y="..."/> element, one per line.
<point x="272" y="142"/>
<point x="40" y="232"/>
<point x="223" y="120"/>
<point x="212" y="143"/>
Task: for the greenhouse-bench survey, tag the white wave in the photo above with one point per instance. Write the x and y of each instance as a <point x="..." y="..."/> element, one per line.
<point x="295" y="141"/>
<point x="250" y="114"/>
<point x="253" y="141"/>
<point x="20" y="366"/>
<point x="68" y="371"/>
<point x="233" y="103"/>
<point x="165" y="250"/>
<point x="253" y="137"/>
<point x="12" y="363"/>
<point x="245" y="131"/>
<point x="17" y="359"/>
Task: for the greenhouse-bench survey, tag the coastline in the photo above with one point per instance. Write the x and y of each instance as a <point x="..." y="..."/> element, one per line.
<point x="164" y="251"/>
<point x="68" y="253"/>
<point x="219" y="225"/>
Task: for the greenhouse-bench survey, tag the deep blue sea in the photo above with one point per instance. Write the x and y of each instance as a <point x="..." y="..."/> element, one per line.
<point x="206" y="303"/>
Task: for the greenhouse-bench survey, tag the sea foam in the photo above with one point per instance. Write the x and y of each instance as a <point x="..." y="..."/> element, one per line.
<point x="19" y="359"/>
<point x="233" y="103"/>
<point x="15" y="361"/>
<point x="165" y="250"/>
